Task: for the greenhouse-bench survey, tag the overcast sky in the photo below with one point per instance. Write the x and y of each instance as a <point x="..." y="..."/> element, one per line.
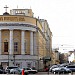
<point x="60" y="15"/>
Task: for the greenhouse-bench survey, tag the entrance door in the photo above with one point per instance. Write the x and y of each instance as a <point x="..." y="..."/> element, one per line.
<point x="4" y="65"/>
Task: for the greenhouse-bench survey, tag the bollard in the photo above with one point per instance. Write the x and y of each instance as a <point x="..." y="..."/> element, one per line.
<point x="23" y="72"/>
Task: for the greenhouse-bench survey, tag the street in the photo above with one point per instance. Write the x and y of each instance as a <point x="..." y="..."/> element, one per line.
<point x="46" y="73"/>
<point x="41" y="73"/>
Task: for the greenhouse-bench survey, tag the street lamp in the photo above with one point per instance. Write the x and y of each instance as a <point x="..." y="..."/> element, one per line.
<point x="14" y="59"/>
<point x="8" y="61"/>
<point x="8" y="58"/>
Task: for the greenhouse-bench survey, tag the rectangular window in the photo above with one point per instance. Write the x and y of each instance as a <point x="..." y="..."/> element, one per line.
<point x="15" y="46"/>
<point x="5" y="46"/>
<point x="28" y="64"/>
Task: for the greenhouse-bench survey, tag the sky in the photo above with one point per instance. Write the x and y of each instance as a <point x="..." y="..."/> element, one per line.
<point x="60" y="15"/>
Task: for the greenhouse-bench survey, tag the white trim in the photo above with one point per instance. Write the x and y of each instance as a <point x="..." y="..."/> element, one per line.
<point x="31" y="43"/>
<point x="18" y="27"/>
<point x="0" y="41"/>
<point x="22" y="42"/>
<point x="16" y="23"/>
<point x="11" y="42"/>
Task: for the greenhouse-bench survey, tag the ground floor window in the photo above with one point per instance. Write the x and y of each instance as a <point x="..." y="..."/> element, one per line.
<point x="5" y="46"/>
<point x="28" y="64"/>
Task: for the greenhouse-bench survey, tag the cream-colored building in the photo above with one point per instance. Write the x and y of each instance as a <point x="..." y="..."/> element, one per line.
<point x="24" y="39"/>
<point x="55" y="56"/>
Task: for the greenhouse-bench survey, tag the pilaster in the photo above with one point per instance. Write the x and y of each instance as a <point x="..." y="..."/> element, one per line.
<point x="31" y="43"/>
<point x="11" y="42"/>
<point x="22" y="42"/>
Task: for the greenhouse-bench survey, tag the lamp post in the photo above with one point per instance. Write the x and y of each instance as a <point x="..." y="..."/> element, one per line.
<point x="8" y="61"/>
<point x="14" y="59"/>
<point x="8" y="58"/>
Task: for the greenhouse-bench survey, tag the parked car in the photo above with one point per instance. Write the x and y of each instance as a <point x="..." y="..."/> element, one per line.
<point x="8" y="68"/>
<point x="61" y="70"/>
<point x="71" y="67"/>
<point x="52" y="67"/>
<point x="14" y="71"/>
<point x="64" y="65"/>
<point x="2" y="71"/>
<point x="18" y="71"/>
<point x="30" y="70"/>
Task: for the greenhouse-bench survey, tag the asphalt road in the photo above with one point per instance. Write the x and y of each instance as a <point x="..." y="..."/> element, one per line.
<point x="46" y="73"/>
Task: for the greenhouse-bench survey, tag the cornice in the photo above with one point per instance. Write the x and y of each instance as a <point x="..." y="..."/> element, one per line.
<point x="17" y="24"/>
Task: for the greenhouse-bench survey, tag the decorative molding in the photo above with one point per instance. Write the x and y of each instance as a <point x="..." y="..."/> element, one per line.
<point x="17" y="24"/>
<point x="12" y="26"/>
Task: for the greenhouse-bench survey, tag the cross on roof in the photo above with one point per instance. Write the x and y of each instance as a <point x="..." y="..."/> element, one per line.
<point x="6" y="8"/>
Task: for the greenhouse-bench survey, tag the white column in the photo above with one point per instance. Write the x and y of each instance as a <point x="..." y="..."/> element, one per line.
<point x="0" y="41"/>
<point x="11" y="42"/>
<point x="22" y="42"/>
<point x="31" y="43"/>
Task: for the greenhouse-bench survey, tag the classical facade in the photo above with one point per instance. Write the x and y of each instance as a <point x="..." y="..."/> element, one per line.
<point x="24" y="40"/>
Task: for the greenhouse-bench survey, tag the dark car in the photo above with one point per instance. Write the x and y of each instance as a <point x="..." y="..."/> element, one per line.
<point x="30" y="70"/>
<point x="71" y="67"/>
<point x="2" y="71"/>
<point x="61" y="70"/>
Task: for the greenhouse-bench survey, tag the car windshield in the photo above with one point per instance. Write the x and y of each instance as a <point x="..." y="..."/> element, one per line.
<point x="70" y="66"/>
<point x="11" y="67"/>
<point x="33" y="68"/>
<point x="54" y="66"/>
<point x="28" y="68"/>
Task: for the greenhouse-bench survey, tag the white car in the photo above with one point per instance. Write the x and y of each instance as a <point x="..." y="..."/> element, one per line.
<point x="30" y="70"/>
<point x="8" y="68"/>
<point x="54" y="66"/>
<point x="18" y="71"/>
<point x="61" y="70"/>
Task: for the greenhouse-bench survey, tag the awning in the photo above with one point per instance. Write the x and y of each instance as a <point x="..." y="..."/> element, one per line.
<point x="47" y="58"/>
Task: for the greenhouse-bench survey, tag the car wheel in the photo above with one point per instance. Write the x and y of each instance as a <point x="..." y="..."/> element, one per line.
<point x="63" y="72"/>
<point x="54" y="72"/>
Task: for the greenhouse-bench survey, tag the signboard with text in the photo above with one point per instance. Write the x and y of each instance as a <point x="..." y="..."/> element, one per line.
<point x="12" y="18"/>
